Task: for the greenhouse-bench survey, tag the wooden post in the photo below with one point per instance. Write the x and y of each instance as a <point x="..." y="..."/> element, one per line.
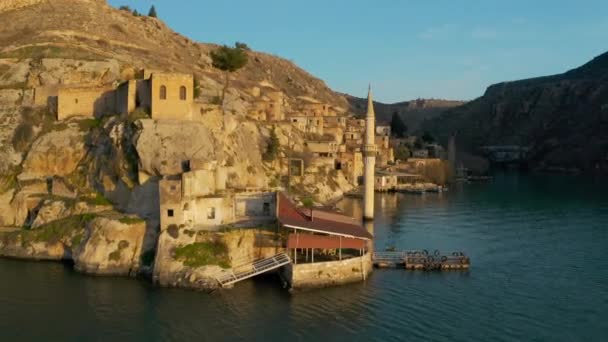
<point x="313" y="255"/>
<point x="340" y="248"/>
<point x="362" y="268"/>
<point x="306" y="254"/>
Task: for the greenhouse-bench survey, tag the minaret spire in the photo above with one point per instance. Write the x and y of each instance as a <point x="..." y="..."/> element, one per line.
<point x="369" y="155"/>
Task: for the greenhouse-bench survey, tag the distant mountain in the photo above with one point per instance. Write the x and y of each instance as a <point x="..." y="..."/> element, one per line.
<point x="412" y="112"/>
<point x="563" y="118"/>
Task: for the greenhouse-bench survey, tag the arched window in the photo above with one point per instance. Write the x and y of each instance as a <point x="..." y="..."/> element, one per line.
<point x="182" y="93"/>
<point x="163" y="92"/>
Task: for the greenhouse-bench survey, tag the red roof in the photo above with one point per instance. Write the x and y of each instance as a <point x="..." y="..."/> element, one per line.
<point x="323" y="241"/>
<point x="292" y="217"/>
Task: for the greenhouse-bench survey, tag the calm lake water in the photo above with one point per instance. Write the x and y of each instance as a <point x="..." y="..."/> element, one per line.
<point x="538" y="247"/>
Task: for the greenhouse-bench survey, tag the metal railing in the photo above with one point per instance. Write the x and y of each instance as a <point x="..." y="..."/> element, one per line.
<point x="252" y="269"/>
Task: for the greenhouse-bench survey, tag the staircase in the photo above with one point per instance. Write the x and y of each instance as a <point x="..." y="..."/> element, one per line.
<point x="252" y="269"/>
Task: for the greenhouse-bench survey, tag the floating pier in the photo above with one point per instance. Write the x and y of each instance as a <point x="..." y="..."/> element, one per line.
<point x="421" y="260"/>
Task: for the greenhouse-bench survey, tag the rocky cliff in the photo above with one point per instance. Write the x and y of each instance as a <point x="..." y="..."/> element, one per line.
<point x="60" y="179"/>
<point x="563" y="118"/>
<point x="412" y="112"/>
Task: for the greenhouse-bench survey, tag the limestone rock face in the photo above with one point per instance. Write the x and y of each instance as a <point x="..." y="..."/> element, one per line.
<point x="52" y="210"/>
<point x="163" y="146"/>
<point x="110" y="247"/>
<point x="243" y="246"/>
<point x="55" y="153"/>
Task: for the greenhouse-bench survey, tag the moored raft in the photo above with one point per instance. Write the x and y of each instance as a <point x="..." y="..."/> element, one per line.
<point x="422" y="260"/>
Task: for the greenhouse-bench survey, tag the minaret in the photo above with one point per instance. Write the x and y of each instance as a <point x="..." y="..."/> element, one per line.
<point x="369" y="156"/>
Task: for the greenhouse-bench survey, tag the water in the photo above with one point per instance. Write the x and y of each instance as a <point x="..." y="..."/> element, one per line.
<point x="539" y="273"/>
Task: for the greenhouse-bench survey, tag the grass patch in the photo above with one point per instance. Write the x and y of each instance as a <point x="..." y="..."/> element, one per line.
<point x="76" y="240"/>
<point x="99" y="199"/>
<point x="8" y="180"/>
<point x="138" y="113"/>
<point x="130" y="220"/>
<point x="203" y="253"/>
<point x="67" y="230"/>
<point x="89" y="124"/>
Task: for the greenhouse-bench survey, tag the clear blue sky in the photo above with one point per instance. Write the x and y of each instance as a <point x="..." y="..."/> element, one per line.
<point x="449" y="49"/>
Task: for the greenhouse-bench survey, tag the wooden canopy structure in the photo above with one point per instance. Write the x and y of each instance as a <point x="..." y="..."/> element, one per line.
<point x="320" y="229"/>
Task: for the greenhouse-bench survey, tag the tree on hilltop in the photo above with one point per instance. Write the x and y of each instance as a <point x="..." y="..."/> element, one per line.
<point x="428" y="138"/>
<point x="152" y="12"/>
<point x="398" y="127"/>
<point x="228" y="59"/>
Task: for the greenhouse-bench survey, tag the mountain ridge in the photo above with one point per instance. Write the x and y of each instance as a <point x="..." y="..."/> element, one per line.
<point x="562" y="118"/>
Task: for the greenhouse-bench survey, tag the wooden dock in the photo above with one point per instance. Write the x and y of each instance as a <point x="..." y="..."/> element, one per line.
<point x="421" y="260"/>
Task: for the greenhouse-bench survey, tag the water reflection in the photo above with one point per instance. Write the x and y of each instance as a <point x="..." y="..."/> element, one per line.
<point x="537" y="274"/>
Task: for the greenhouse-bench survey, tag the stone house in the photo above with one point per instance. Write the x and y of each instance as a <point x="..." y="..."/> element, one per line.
<point x="336" y="121"/>
<point x="351" y="164"/>
<point x="326" y="149"/>
<point x="198" y="200"/>
<point x="85" y="101"/>
<point x="385" y="182"/>
<point x="312" y="107"/>
<point x="165" y="96"/>
<point x="308" y="124"/>
<point x="268" y="104"/>
<point x="420" y="153"/>
<point x="383" y="130"/>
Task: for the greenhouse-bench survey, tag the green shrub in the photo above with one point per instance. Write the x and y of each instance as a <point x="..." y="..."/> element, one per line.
<point x="272" y="150"/>
<point x="89" y="124"/>
<point x="99" y="199"/>
<point x="203" y="253"/>
<point x="308" y="202"/>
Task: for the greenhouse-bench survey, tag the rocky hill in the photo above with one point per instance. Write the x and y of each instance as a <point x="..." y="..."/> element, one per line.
<point x="563" y="118"/>
<point x="62" y="180"/>
<point x="412" y="112"/>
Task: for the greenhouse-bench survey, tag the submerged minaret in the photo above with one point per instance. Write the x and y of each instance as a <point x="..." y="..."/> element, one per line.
<point x="369" y="156"/>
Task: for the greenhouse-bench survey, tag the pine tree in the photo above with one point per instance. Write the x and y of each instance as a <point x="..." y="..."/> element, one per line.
<point x="398" y="127"/>
<point x="152" y="12"/>
<point x="272" y="150"/>
<point x="228" y="59"/>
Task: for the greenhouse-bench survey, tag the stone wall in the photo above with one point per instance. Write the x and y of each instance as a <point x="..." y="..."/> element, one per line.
<point x="170" y="196"/>
<point x="91" y="102"/>
<point x="126" y="97"/>
<point x="172" y="107"/>
<point x="331" y="273"/>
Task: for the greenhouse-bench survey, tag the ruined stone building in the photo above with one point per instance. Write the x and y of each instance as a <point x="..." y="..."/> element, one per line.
<point x="199" y="200"/>
<point x="165" y="96"/>
<point x="308" y="124"/>
<point x="268" y="104"/>
<point x="85" y="101"/>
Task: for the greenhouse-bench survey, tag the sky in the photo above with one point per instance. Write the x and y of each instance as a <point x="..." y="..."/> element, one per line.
<point x="407" y="49"/>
